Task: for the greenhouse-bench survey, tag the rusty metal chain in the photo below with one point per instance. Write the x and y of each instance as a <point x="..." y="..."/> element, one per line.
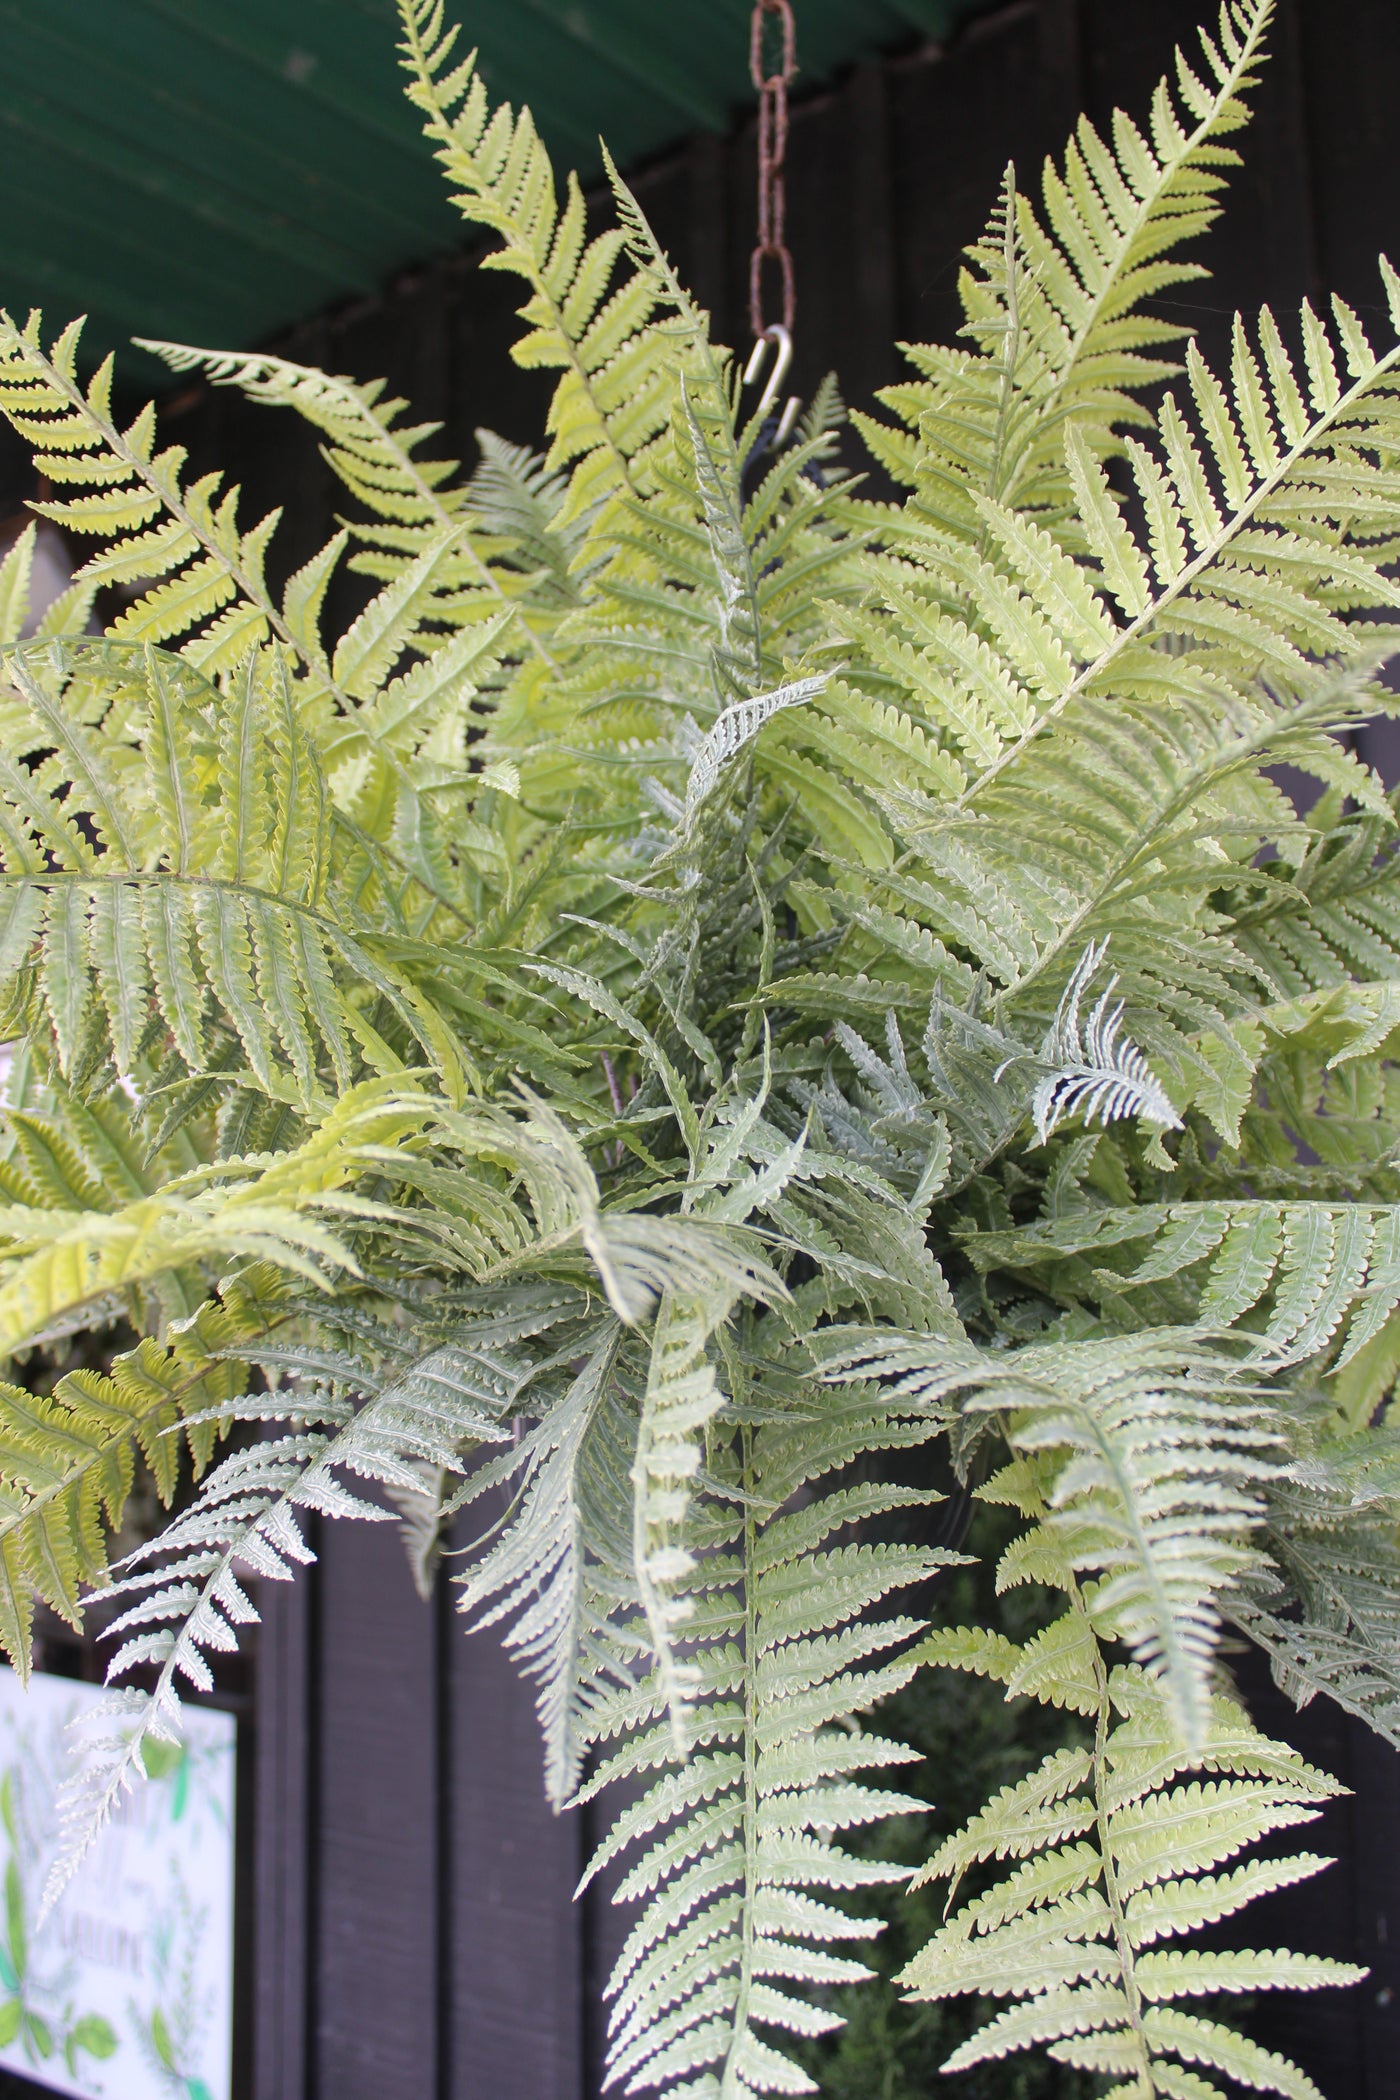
<point x="771" y="246"/>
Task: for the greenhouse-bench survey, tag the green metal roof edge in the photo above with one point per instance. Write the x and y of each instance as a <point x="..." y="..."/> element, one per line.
<point x="214" y="173"/>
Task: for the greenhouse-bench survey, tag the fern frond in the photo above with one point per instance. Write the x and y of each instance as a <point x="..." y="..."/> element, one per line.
<point x="67" y="1458"/>
<point x="417" y="505"/>
<point x="1053" y="304"/>
<point x="1094" y="1074"/>
<point x="725" y="1846"/>
<point x="211" y="583"/>
<point x="1156" y="1479"/>
<point x="177" y="849"/>
<point x="1255" y="588"/>
<point x="57" y="1261"/>
<point x="613" y="397"/>
<point x="1325" y="1611"/>
<point x="209" y="594"/>
<point x="541" y="1575"/>
<point x="1118" y="1847"/>
<point x="183" y="1594"/>
<point x="1295" y="1274"/>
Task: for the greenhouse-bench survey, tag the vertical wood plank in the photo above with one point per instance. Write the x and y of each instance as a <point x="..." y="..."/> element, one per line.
<point x="956" y="119"/>
<point x="514" y="1996"/>
<point x="1379" y="744"/>
<point x="869" y="263"/>
<point x="1349" y="66"/>
<point x="375" y="1931"/>
<point x="284" y="1735"/>
<point x="707" y="169"/>
<point x="1061" y="69"/>
<point x="1375" y="1821"/>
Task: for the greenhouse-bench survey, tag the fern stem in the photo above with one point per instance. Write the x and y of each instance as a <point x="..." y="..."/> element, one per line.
<point x="1011" y="352"/>
<point x="730" y="2086"/>
<point x="1126" y="1967"/>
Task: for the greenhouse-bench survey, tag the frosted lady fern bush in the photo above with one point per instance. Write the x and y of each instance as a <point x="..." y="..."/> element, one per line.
<point x="716" y="1000"/>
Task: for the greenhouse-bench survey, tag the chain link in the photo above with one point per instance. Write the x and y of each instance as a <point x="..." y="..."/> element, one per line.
<point x="771" y="245"/>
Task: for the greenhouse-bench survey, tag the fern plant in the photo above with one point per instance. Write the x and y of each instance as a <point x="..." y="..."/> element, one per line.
<point x="721" y="1009"/>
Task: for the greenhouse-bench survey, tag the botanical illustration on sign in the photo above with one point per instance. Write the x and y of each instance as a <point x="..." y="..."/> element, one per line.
<point x="124" y="1989"/>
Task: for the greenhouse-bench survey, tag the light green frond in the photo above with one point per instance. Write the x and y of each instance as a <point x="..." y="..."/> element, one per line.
<point x="1113" y="1858"/>
<point x="1054" y="306"/>
<point x="737" y="1835"/>
<point x="68" y="1457"/>
<point x="192" y="861"/>
<point x="203" y="576"/>
<point x="1288" y="1277"/>
<point x="613" y="396"/>
<point x="182" y="1595"/>
<point x="420" y="501"/>
<point x="542" y="1578"/>
<point x="55" y="1262"/>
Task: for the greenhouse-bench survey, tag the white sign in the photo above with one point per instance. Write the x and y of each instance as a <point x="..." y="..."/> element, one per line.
<point x="126" y="1991"/>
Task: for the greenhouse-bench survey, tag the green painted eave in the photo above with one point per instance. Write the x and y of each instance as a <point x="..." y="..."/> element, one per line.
<point x="211" y="170"/>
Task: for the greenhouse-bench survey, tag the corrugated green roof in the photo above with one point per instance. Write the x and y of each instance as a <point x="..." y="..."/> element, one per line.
<point x="210" y="170"/>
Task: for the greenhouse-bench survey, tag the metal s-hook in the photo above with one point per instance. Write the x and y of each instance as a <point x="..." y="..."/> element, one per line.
<point x="779" y="339"/>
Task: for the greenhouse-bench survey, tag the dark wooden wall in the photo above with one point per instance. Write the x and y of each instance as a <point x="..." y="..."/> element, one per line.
<point x="416" y="1939"/>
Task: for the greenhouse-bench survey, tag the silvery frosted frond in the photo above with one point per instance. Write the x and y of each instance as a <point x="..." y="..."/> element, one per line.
<point x="1094" y="1073"/>
<point x="736" y="726"/>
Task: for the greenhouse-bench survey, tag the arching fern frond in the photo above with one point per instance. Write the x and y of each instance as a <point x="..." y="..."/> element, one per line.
<point x="414" y="505"/>
<point x="725" y="1847"/>
<point x="1119" y="1848"/>
<point x="614" y="393"/>
<point x="1288" y="1277"/>
<point x="1158" y="1455"/>
<point x="56" y="1261"/>
<point x="183" y="1594"/>
<point x="553" y="1578"/>
<point x="211" y="573"/>
<point x="1055" y="308"/>
<point x="68" y="1457"/>
<point x="201" y="579"/>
